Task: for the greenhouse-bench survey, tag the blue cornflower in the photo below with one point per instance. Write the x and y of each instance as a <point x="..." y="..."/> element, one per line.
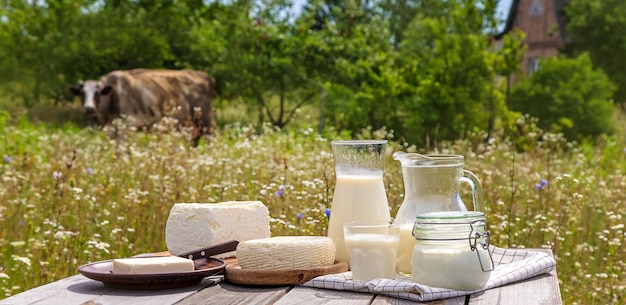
<point x="7" y="159"/>
<point x="327" y="212"/>
<point x="541" y="184"/>
<point x="281" y="191"/>
<point x="89" y="170"/>
<point x="299" y="216"/>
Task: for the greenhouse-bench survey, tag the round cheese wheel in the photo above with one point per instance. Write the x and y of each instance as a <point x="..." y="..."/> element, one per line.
<point x="286" y="253"/>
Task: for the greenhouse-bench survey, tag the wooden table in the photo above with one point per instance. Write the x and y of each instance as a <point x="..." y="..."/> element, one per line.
<point x="77" y="289"/>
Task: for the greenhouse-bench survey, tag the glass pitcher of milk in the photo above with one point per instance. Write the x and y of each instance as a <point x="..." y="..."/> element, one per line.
<point x="359" y="191"/>
<point x="431" y="184"/>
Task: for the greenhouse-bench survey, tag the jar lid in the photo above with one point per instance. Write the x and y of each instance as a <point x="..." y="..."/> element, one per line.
<point x="448" y="224"/>
<point x="429" y="160"/>
<point x="451" y="216"/>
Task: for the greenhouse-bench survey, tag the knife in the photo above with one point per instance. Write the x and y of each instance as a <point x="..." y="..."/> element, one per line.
<point x="227" y="246"/>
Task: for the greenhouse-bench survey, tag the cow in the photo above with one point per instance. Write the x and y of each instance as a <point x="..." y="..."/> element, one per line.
<point x="148" y="95"/>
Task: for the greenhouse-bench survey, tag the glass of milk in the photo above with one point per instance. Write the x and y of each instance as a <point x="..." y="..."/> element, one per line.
<point x="372" y="246"/>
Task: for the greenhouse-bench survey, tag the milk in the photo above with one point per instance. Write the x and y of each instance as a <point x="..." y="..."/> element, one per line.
<point x="405" y="250"/>
<point x="410" y="208"/>
<point x="453" y="267"/>
<point x="356" y="197"/>
<point x="372" y="256"/>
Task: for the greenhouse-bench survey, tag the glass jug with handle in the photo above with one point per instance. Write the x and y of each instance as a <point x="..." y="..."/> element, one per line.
<point x="359" y="191"/>
<point x="431" y="184"/>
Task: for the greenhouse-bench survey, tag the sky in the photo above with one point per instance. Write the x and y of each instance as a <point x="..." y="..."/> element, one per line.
<point x="503" y="9"/>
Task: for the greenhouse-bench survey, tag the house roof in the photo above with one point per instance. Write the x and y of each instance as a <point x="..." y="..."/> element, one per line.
<point x="508" y="24"/>
<point x="559" y="10"/>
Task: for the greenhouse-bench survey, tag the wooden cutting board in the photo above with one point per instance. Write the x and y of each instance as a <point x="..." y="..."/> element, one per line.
<point x="234" y="274"/>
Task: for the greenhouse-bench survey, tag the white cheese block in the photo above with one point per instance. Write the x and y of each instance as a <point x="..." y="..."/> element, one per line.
<point x="152" y="265"/>
<point x="286" y="253"/>
<point x="193" y="226"/>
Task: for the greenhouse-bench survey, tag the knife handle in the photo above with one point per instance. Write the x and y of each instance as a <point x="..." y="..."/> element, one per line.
<point x="215" y="249"/>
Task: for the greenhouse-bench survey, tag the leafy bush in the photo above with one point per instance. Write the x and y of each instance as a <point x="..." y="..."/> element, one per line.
<point x="567" y="96"/>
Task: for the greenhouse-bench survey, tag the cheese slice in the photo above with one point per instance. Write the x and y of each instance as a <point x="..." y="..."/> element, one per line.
<point x="286" y="253"/>
<point x="152" y="265"/>
<point x="193" y="226"/>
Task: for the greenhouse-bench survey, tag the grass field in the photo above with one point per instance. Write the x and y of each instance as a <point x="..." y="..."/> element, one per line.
<point x="72" y="195"/>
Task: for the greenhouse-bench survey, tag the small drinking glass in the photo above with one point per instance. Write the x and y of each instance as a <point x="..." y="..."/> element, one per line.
<point x="372" y="246"/>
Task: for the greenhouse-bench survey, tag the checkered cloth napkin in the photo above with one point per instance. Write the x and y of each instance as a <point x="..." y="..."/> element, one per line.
<point x="511" y="265"/>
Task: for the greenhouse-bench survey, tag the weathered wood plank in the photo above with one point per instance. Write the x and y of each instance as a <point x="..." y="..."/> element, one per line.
<point x="225" y="293"/>
<point x="41" y="293"/>
<point x="78" y="289"/>
<point x="314" y="296"/>
<point x="144" y="297"/>
<point x="539" y="290"/>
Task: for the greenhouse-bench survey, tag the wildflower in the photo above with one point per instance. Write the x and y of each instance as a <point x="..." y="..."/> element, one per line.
<point x="7" y="159"/>
<point x="299" y="216"/>
<point x="577" y="196"/>
<point x="281" y="191"/>
<point x="3" y="275"/>
<point x="57" y="175"/>
<point x="63" y="234"/>
<point x="89" y="170"/>
<point x="99" y="245"/>
<point x="20" y="243"/>
<point x="22" y="259"/>
<point x="327" y="212"/>
<point x="541" y="184"/>
<point x="77" y="190"/>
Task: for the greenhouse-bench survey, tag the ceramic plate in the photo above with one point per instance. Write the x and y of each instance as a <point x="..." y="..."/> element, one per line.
<point x="103" y="271"/>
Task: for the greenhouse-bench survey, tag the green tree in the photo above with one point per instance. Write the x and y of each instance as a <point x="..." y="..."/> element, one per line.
<point x="130" y="34"/>
<point x="36" y="45"/>
<point x="362" y="80"/>
<point x="597" y="27"/>
<point x="49" y="45"/>
<point x="399" y="14"/>
<point x="431" y="79"/>
<point x="509" y="56"/>
<point x="264" y="57"/>
<point x="567" y="95"/>
<point x="450" y="67"/>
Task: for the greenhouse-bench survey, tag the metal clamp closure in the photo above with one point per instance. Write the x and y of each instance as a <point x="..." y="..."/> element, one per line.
<point x="474" y="238"/>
